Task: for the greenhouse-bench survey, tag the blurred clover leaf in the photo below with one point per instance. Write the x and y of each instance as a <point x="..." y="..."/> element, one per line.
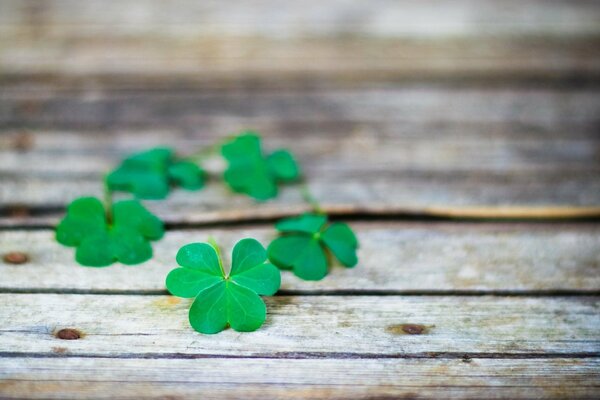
<point x="223" y="300"/>
<point x="100" y="241"/>
<point x="304" y="244"/>
<point x="253" y="173"/>
<point x="150" y="174"/>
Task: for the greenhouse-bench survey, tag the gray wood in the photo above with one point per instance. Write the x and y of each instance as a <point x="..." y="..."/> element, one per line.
<point x="394" y="257"/>
<point x="393" y="108"/>
<point x="336" y="40"/>
<point x="382" y="151"/>
<point x="466" y="108"/>
<point x="349" y="326"/>
<point x="185" y="18"/>
<point x="97" y="378"/>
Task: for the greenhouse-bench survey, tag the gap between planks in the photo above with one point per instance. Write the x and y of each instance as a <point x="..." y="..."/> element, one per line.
<point x="440" y="355"/>
<point x="19" y="217"/>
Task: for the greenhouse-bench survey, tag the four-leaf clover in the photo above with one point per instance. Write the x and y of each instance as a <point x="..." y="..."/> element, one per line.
<point x="252" y="173"/>
<point x="100" y="242"/>
<point x="222" y="299"/>
<point x="149" y="175"/>
<point x="303" y="245"/>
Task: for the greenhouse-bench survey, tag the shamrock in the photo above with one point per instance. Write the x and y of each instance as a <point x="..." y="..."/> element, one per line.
<point x="254" y="174"/>
<point x="148" y="175"/>
<point x="305" y="241"/>
<point x="101" y="242"/>
<point x="221" y="299"/>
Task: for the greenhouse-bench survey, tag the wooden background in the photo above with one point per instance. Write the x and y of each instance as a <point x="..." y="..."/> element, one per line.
<point x="461" y="140"/>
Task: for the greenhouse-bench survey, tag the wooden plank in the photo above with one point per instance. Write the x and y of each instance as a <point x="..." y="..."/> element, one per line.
<point x="394" y="257"/>
<point x="305" y="326"/>
<point x="416" y="148"/>
<point x="388" y="18"/>
<point x="350" y="62"/>
<point x="83" y="378"/>
<point x="500" y="148"/>
<point x="400" y="106"/>
<point x="341" y="41"/>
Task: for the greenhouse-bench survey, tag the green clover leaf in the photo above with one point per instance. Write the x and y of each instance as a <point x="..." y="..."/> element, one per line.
<point x="252" y="173"/>
<point x="99" y="242"/>
<point x="149" y="174"/>
<point x="224" y="300"/>
<point x="304" y="244"/>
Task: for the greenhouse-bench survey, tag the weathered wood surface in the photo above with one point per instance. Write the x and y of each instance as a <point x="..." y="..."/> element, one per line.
<point x="470" y="108"/>
<point x="277" y="43"/>
<point x="314" y="326"/>
<point x="76" y="378"/>
<point x="394" y="258"/>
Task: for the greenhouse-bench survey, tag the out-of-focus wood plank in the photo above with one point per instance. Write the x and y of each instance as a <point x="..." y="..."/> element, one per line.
<point x="398" y="106"/>
<point x="393" y="257"/>
<point x="405" y="149"/>
<point x="231" y="63"/>
<point x="387" y="18"/>
<point x="266" y="40"/>
<point x="346" y="326"/>
<point x="362" y="150"/>
<point x="83" y="378"/>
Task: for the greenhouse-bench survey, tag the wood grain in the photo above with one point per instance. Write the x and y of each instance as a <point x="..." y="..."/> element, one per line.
<point x="388" y="18"/>
<point x="404" y="149"/>
<point x="83" y="378"/>
<point x="396" y="109"/>
<point x="393" y="257"/>
<point x="304" y="326"/>
<point x="277" y="44"/>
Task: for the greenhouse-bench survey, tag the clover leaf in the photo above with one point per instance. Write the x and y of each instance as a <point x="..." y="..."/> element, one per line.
<point x="252" y="173"/>
<point x="101" y="242"/>
<point x="149" y="174"/>
<point x="304" y="244"/>
<point x="224" y="300"/>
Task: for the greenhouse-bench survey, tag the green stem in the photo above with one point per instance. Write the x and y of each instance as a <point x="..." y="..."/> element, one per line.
<point x="208" y="151"/>
<point x="211" y="240"/>
<point x="310" y="199"/>
<point x="108" y="202"/>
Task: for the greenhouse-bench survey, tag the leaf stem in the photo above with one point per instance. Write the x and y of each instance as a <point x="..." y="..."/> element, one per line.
<point x="310" y="199"/>
<point x="211" y="240"/>
<point x="208" y="151"/>
<point x="108" y="201"/>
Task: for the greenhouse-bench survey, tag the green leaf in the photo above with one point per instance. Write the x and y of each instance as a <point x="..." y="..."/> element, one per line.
<point x="149" y="174"/>
<point x="209" y="312"/>
<point x="251" y="178"/>
<point x="99" y="242"/>
<point x="85" y="217"/>
<point x="250" y="172"/>
<point x="223" y="300"/>
<point x="129" y="246"/>
<point x="283" y="165"/>
<point x="187" y="175"/>
<point x="132" y="214"/>
<point x="200" y="257"/>
<point x="248" y="268"/>
<point x="246" y="310"/>
<point x="301" y="253"/>
<point x="95" y="251"/>
<point x="245" y="145"/>
<point x="186" y="282"/>
<point x="307" y="223"/>
<point x="305" y="242"/>
<point x="342" y="242"/>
